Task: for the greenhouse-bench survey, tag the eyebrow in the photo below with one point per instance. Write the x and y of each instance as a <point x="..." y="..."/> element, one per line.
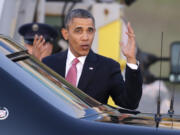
<point x="79" y="27"/>
<point x="91" y="28"/>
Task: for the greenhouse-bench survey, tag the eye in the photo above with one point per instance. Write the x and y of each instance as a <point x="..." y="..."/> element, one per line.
<point x="90" y="30"/>
<point x="78" y="30"/>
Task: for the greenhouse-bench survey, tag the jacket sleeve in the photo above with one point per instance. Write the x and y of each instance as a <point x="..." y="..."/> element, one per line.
<point x="126" y="93"/>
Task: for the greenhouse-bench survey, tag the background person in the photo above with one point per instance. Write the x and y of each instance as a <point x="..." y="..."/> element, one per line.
<point x="38" y="39"/>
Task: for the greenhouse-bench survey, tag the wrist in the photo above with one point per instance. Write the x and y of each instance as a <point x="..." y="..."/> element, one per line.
<point x="131" y="60"/>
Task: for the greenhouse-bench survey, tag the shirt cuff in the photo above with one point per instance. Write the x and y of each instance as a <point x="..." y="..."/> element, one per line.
<point x="133" y="66"/>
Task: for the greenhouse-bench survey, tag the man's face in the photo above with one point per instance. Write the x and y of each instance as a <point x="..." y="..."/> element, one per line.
<point x="80" y="34"/>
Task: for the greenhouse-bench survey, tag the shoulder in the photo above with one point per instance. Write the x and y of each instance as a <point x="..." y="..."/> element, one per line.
<point x="109" y="62"/>
<point x="55" y="56"/>
<point x="106" y="59"/>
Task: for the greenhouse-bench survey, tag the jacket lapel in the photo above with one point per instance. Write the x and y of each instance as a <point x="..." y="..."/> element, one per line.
<point x="89" y="70"/>
<point x="62" y="63"/>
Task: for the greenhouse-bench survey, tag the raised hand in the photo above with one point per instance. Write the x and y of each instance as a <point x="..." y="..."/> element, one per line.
<point x="46" y="50"/>
<point x="40" y="48"/>
<point x="129" y="50"/>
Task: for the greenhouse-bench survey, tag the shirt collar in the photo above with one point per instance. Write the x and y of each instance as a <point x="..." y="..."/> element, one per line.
<point x="71" y="57"/>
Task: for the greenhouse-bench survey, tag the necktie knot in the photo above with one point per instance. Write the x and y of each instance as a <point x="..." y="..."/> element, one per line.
<point x="75" y="61"/>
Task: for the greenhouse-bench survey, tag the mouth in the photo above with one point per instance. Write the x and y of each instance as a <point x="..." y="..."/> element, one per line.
<point x="85" y="46"/>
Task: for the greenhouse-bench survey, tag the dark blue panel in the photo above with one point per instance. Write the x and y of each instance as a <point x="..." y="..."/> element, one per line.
<point x="30" y="115"/>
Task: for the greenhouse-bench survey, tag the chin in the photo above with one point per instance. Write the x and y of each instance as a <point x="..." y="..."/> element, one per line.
<point x="84" y="53"/>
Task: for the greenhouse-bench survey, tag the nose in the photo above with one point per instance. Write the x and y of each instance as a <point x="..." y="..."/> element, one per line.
<point x="85" y="36"/>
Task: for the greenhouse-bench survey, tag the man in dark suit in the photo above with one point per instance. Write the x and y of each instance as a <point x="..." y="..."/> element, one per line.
<point x="98" y="76"/>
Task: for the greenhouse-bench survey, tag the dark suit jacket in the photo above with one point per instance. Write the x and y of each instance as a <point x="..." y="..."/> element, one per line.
<point x="101" y="77"/>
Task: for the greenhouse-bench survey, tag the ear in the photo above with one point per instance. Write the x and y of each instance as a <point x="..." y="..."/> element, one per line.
<point x="64" y="33"/>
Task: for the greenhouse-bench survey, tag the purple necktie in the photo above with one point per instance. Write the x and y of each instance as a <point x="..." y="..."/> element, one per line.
<point x="72" y="73"/>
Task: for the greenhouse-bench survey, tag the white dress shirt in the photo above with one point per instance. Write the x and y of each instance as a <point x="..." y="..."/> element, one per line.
<point x="79" y="66"/>
<point x="133" y="66"/>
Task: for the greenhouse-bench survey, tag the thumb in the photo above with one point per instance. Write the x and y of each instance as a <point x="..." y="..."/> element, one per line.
<point x="121" y="44"/>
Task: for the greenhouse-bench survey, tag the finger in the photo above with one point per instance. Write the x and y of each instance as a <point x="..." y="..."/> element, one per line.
<point x="41" y="46"/>
<point x="35" y="39"/>
<point x="40" y="40"/>
<point x="121" y="44"/>
<point x="123" y="47"/>
<point x="40" y="43"/>
<point x="130" y="28"/>
<point x="130" y="35"/>
<point x="131" y="43"/>
<point x="37" y="49"/>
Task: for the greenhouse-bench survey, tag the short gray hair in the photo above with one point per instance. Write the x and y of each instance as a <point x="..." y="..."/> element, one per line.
<point x="77" y="13"/>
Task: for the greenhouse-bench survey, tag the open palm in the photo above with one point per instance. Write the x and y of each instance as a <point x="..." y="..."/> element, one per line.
<point x="129" y="50"/>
